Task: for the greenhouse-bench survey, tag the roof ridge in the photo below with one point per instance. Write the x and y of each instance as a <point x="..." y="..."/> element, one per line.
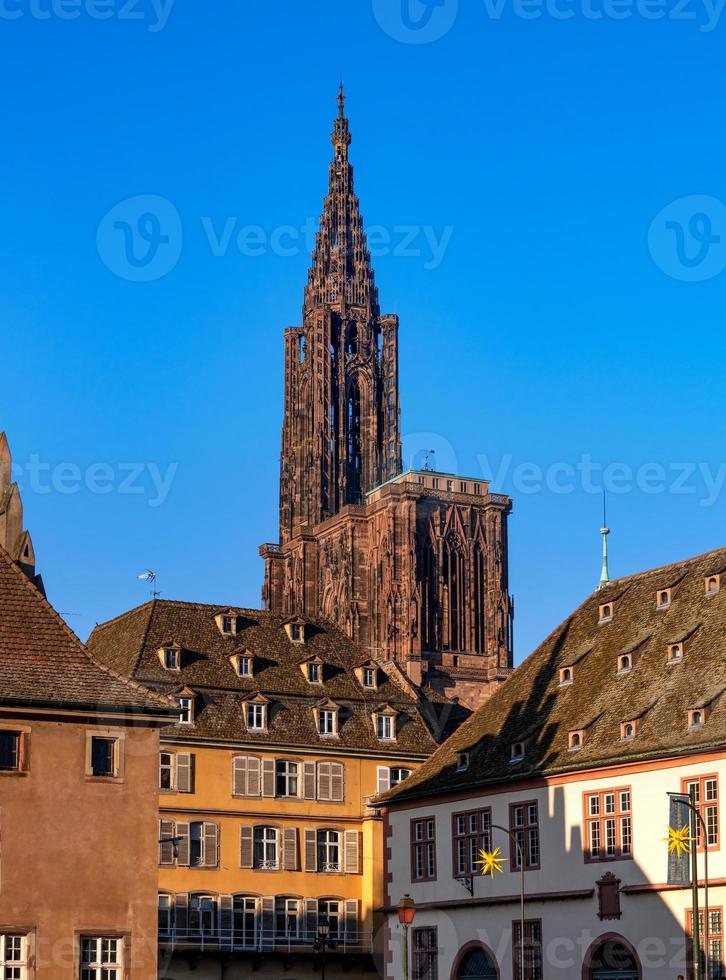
<point x="123" y="615"/>
<point x="671" y="565"/>
<point x="37" y="594"/>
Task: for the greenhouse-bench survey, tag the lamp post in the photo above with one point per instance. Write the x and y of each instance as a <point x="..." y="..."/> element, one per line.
<point x="698" y="826"/>
<point x="323" y="942"/>
<point x="406" y="912"/>
<point x="520" y="857"/>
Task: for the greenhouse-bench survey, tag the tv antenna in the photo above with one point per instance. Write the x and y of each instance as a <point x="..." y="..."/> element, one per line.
<point x="429" y="463"/>
<point x="150" y="577"/>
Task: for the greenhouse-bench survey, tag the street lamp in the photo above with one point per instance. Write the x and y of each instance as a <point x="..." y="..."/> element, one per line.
<point x="323" y="942"/>
<point x="406" y="912"/>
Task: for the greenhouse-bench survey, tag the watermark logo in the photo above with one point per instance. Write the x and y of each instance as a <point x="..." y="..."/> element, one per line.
<point x="155" y="13"/>
<point x="416" y="21"/>
<point x="140" y="238"/>
<point x="687" y="238"/>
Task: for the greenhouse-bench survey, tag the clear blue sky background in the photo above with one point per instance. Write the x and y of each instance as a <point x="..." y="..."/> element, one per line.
<point x="546" y="334"/>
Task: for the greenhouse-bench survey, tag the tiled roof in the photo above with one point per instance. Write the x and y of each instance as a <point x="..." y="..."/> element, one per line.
<point x="533" y="706"/>
<point x="42" y="662"/>
<point x="130" y="644"/>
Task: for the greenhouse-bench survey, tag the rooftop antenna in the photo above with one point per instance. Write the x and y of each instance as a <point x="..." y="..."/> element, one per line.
<point x="604" y="530"/>
<point x="429" y="459"/>
<point x="150" y="577"/>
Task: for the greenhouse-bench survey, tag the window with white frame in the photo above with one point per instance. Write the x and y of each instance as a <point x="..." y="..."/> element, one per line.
<point x="398" y="775"/>
<point x="265" y="848"/>
<point x="203" y="915"/>
<point x="244" y="666"/>
<point x="245" y="921"/>
<point x="13" y="957"/>
<point x="286" y="778"/>
<point x="331" y="909"/>
<point x="609" y="825"/>
<point x="329" y="851"/>
<point x="369" y="677"/>
<point x="287" y="917"/>
<point x="166" y="914"/>
<point x="186" y="710"/>
<point x="166" y="770"/>
<point x="314" y="674"/>
<point x="256" y="717"/>
<point x="101" y="958"/>
<point x="172" y="658"/>
<point x="385" y="727"/>
<point x="327" y="721"/>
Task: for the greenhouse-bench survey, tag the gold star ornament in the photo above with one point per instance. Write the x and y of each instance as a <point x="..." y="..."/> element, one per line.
<point x="491" y="861"/>
<point x="678" y="840"/>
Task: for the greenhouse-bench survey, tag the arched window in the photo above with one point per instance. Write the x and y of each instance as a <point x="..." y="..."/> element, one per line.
<point x="245" y="921"/>
<point x="352" y="345"/>
<point x="628" y="731"/>
<point x="302" y="345"/>
<point x="477" y="964"/>
<point x="202" y="915"/>
<point x="287" y="917"/>
<point x="611" y="959"/>
<point x="355" y="461"/>
<point x="624" y="663"/>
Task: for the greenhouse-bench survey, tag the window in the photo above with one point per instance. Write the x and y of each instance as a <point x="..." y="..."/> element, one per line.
<point x="696" y="717"/>
<point x="608" y="825"/>
<point x="101" y="958"/>
<point x="663" y="599"/>
<point x="227" y="625"/>
<point x="624" y="663"/>
<point x="186" y="714"/>
<point x="425" y="954"/>
<point x="329" y="851"/>
<point x="326" y="721"/>
<point x="331" y="782"/>
<point x="716" y="970"/>
<point x="314" y="673"/>
<point x="713" y="584"/>
<point x="330" y="908"/>
<point x="244" y="666"/>
<point x="576" y="740"/>
<point x="385" y="728"/>
<point x="297" y="632"/>
<point x="472" y="834"/>
<point x="202" y="915"/>
<point x="369" y="677"/>
<point x="675" y="653"/>
<point x="244" y="920"/>
<point x="423" y="849"/>
<point x="9" y="751"/>
<point x="517" y="751"/>
<point x="286" y="778"/>
<point x="566" y="676"/>
<point x="397" y="775"/>
<point x="531" y="949"/>
<point x="13" y="957"/>
<point x="606" y="612"/>
<point x="524" y="822"/>
<point x="462" y="762"/>
<point x="103" y="756"/>
<point x="265" y="849"/>
<point x="255" y="717"/>
<point x="705" y="790"/>
<point x="166" y="915"/>
<point x="627" y="731"/>
<point x="286" y="917"/>
<point x="166" y="770"/>
<point x="171" y="658"/>
<point x="203" y="844"/>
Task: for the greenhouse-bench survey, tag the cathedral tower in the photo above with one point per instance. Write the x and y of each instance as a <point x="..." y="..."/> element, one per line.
<point x="413" y="565"/>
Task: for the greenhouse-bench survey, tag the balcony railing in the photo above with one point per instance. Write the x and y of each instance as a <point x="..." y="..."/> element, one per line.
<point x="239" y="940"/>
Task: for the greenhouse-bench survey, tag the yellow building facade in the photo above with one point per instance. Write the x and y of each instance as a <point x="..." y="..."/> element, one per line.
<point x="286" y="732"/>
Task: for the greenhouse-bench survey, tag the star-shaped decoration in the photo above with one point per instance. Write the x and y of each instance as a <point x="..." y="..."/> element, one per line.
<point x="491" y="861"/>
<point x="678" y="840"/>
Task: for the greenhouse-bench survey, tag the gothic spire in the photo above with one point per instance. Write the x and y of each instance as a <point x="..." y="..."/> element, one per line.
<point x="340" y="275"/>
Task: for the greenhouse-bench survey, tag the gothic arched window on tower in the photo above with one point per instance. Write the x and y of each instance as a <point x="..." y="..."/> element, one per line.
<point x="355" y="461"/>
<point x="353" y="339"/>
<point x="302" y="348"/>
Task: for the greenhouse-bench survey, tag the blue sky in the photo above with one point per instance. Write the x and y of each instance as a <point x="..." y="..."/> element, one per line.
<point x="570" y="173"/>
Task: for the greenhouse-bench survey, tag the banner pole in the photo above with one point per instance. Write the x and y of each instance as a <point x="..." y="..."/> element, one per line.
<point x="696" y="930"/>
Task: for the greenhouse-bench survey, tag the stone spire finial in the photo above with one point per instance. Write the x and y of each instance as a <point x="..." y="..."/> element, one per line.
<point x="13" y="538"/>
<point x="604" y="530"/>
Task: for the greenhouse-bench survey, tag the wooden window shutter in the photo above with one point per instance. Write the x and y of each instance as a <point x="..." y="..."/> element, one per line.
<point x="289" y="849"/>
<point x="352" y="852"/>
<point x="384" y="779"/>
<point x="268" y="777"/>
<point x="211" y="845"/>
<point x="268" y="921"/>
<point x="182" y="831"/>
<point x="245" y="847"/>
<point x="324" y="781"/>
<point x="608" y="895"/>
<point x="337" y="782"/>
<point x="239" y="775"/>
<point x="184" y="772"/>
<point x="311" y="850"/>
<point x="351" y="920"/>
<point x="166" y="850"/>
<point x="226" y="905"/>
<point x="181" y="915"/>
<point x="311" y="919"/>
<point x="253" y="777"/>
<point x="309" y="780"/>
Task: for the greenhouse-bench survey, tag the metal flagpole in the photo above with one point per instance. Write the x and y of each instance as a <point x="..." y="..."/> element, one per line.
<point x="696" y="929"/>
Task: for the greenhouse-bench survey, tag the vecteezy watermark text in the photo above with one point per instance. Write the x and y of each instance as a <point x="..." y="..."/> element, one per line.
<point x="154" y="12"/>
<point x="139" y="479"/>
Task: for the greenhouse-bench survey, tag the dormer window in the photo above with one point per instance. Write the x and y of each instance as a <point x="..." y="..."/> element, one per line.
<point x="314" y="672"/>
<point x="462" y="761"/>
<point x="295" y="631"/>
<point x="327" y="721"/>
<point x="606" y="612"/>
<point x="576" y="740"/>
<point x="663" y="598"/>
<point x="256" y="716"/>
<point x="369" y="678"/>
<point x="227" y="623"/>
<point x="713" y="585"/>
<point x="517" y="751"/>
<point x="696" y="717"/>
<point x="625" y="663"/>
<point x="384" y="727"/>
<point x="170" y="656"/>
<point x="628" y="730"/>
<point x="675" y="653"/>
<point x="242" y="663"/>
<point x="567" y="676"/>
<point x="186" y="709"/>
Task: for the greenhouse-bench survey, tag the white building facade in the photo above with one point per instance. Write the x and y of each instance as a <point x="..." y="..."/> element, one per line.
<point x="573" y="761"/>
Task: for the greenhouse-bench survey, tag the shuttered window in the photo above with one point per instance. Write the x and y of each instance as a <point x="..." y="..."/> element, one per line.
<point x="176" y="772"/>
<point x="196" y="844"/>
<point x="246" y="776"/>
<point x="352" y="852"/>
<point x="331" y="782"/>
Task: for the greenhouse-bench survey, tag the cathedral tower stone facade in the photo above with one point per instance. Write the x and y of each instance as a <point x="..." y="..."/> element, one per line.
<point x="412" y="565"/>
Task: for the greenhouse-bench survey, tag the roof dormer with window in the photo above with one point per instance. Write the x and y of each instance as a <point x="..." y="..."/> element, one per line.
<point x="256" y="710"/>
<point x="326" y="714"/>
<point x="518" y="750"/>
<point x="663" y="599"/>
<point x="367" y="675"/>
<point x="313" y="669"/>
<point x="576" y="739"/>
<point x="606" y="612"/>
<point x="227" y="622"/>
<point x="243" y="663"/>
<point x="629" y="729"/>
<point x="296" y="629"/>
<point x="170" y="655"/>
<point x="186" y="699"/>
<point x="713" y="585"/>
<point x="567" y="676"/>
<point x="384" y="721"/>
